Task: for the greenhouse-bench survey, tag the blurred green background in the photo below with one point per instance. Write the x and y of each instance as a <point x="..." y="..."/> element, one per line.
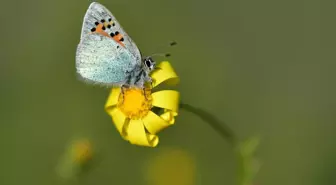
<point x="264" y="67"/>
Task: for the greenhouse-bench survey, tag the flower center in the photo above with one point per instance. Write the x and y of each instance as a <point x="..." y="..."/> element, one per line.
<point x="135" y="103"/>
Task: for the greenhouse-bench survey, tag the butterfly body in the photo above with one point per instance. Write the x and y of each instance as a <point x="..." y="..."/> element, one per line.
<point x="106" y="55"/>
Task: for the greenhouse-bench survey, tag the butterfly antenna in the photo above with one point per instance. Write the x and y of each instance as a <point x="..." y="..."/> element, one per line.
<point x="165" y="54"/>
<point x="161" y="54"/>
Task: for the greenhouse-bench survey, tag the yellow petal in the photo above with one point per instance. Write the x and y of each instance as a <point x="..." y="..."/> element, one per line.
<point x="154" y="123"/>
<point x="137" y="135"/>
<point x="118" y="119"/>
<point x="164" y="73"/>
<point x="112" y="99"/>
<point x="169" y="116"/>
<point x="167" y="99"/>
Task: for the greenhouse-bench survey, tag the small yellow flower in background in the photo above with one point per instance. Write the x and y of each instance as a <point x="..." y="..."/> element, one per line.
<point x="131" y="111"/>
<point x="171" y="167"/>
<point x="81" y="151"/>
<point x="77" y="154"/>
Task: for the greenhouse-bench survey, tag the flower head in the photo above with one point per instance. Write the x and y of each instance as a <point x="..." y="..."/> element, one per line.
<point x="81" y="151"/>
<point x="135" y="103"/>
<point x="132" y="111"/>
<point x="168" y="163"/>
<point x="78" y="154"/>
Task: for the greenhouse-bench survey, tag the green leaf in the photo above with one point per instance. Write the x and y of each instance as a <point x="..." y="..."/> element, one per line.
<point x="249" y="166"/>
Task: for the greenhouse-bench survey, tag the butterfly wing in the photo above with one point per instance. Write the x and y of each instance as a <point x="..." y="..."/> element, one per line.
<point x="105" y="55"/>
<point x="98" y="17"/>
<point x="100" y="61"/>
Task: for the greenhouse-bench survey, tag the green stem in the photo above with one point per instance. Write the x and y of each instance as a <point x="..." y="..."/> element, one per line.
<point x="223" y="130"/>
<point x="220" y="127"/>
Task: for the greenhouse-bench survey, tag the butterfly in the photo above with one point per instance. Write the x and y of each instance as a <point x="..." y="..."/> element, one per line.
<point x="106" y="55"/>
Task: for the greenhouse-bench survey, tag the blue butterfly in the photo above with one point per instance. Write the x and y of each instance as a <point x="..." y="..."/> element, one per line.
<point x="106" y="55"/>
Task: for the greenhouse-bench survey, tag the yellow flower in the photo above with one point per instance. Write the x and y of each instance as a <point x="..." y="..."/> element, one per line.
<point x="171" y="166"/>
<point x="132" y="111"/>
<point x="81" y="151"/>
<point x="77" y="155"/>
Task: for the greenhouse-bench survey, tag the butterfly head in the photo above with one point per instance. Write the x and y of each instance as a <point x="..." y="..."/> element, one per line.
<point x="149" y="63"/>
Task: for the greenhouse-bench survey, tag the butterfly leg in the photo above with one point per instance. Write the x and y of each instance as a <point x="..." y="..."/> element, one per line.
<point x="144" y="93"/>
<point x="151" y="83"/>
<point x="149" y="80"/>
<point x="123" y="87"/>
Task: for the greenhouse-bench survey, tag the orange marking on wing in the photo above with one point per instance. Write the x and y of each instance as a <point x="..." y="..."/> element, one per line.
<point x="101" y="31"/>
<point x="117" y="39"/>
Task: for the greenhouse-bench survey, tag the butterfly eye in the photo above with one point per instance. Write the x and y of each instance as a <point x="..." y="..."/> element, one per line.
<point x="148" y="63"/>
